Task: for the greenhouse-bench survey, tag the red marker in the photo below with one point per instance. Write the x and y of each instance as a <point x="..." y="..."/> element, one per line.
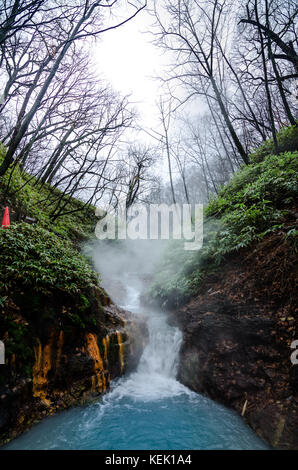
<point x="6" y="221"/>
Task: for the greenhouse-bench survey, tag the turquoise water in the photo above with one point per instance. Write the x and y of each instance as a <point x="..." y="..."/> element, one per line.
<point x="149" y="409"/>
<point x="187" y="421"/>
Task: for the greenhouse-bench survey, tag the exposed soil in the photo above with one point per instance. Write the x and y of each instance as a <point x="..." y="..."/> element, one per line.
<point x="61" y="365"/>
<point x="237" y="336"/>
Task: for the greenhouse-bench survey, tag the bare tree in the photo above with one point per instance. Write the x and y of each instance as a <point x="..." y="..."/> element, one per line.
<point x="193" y="31"/>
<point x="288" y="12"/>
<point x="17" y="15"/>
<point x="141" y="160"/>
<point x="84" y="19"/>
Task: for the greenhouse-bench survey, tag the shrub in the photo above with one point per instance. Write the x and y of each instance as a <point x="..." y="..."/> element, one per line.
<point x="255" y="202"/>
<point x="272" y="181"/>
<point x="287" y="141"/>
<point x="35" y="258"/>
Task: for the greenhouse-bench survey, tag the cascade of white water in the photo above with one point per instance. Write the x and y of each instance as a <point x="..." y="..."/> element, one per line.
<point x="149" y="409"/>
<point x="155" y="377"/>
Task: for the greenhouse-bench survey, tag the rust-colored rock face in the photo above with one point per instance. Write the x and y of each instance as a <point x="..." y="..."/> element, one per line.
<point x="70" y="366"/>
<point x="121" y="353"/>
<point x="98" y="380"/>
<point x="237" y="335"/>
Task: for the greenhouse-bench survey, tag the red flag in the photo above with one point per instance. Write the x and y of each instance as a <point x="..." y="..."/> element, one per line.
<point x="6" y="221"/>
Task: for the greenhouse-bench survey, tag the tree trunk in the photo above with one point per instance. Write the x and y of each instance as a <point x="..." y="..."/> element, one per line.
<point x="228" y="122"/>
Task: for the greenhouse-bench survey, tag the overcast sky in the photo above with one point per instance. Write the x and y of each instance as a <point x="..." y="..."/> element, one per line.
<point x="129" y="61"/>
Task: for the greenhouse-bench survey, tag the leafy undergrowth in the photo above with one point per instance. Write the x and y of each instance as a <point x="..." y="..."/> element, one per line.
<point x="256" y="201"/>
<point x="260" y="200"/>
<point x="44" y="280"/>
<point x="35" y="258"/>
<point x="287" y="141"/>
<point x="45" y="285"/>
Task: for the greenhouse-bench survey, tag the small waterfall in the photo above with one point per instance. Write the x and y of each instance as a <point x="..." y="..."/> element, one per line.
<point x="149" y="409"/>
<point x="161" y="353"/>
<point x="155" y="377"/>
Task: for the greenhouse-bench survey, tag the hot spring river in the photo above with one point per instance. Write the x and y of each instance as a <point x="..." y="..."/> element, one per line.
<point x="147" y="410"/>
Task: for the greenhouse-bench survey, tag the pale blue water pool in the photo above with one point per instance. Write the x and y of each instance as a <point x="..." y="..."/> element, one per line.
<point x="186" y="421"/>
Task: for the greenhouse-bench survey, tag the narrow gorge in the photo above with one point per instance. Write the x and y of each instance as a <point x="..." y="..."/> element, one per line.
<point x="148" y="407"/>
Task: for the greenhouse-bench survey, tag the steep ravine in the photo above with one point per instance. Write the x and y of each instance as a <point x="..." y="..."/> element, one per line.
<point x="237" y="333"/>
<point x="71" y="365"/>
<point x="148" y="408"/>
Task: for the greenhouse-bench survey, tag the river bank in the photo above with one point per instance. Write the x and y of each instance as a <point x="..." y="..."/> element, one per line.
<point x="237" y="335"/>
<point x="148" y="408"/>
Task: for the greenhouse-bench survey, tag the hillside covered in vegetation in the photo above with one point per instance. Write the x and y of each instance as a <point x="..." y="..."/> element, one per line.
<point x="258" y="202"/>
<point x="64" y="338"/>
<point x="236" y="298"/>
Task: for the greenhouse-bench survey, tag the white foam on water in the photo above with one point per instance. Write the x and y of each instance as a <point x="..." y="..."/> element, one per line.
<point x="155" y="377"/>
<point x="149" y="409"/>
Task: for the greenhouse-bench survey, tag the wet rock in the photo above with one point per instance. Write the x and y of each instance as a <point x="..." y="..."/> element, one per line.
<point x="70" y="366"/>
<point x="236" y="347"/>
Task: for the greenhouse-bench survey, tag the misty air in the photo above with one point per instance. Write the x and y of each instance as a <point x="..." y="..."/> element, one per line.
<point x="148" y="245"/>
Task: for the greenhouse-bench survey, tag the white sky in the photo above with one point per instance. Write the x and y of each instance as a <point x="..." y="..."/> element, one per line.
<point x="128" y="60"/>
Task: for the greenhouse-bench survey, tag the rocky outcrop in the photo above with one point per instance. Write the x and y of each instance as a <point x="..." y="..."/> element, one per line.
<point x="237" y="335"/>
<point x="61" y="363"/>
